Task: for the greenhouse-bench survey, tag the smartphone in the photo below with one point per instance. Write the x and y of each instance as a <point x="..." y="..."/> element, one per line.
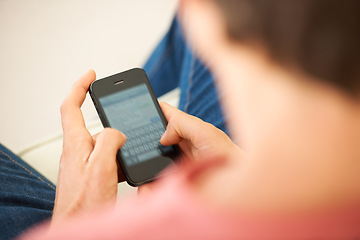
<point x="126" y="101"/>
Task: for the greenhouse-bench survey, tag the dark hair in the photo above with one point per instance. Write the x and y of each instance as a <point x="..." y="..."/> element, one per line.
<point x="321" y="37"/>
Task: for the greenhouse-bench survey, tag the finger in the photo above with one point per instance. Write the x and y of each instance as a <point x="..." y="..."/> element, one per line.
<point x="203" y="139"/>
<point x="168" y="110"/>
<point x="121" y="175"/>
<point x="180" y="126"/>
<point x="79" y="89"/>
<point x="71" y="115"/>
<point x="95" y="136"/>
<point x="108" y="142"/>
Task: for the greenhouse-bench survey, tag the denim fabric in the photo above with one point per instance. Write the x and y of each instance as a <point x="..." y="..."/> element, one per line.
<point x="26" y="197"/>
<point x="172" y="65"/>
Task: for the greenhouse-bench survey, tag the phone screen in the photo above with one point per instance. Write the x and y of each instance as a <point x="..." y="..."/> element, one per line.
<point x="132" y="112"/>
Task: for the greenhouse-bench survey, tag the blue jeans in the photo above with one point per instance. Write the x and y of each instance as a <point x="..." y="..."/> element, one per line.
<point x="172" y="65"/>
<point x="27" y="198"/>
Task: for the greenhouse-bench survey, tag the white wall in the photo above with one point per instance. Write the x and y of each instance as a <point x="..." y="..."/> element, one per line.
<point x="45" y="45"/>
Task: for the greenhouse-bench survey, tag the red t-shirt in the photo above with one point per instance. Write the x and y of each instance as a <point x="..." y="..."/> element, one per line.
<point x="174" y="211"/>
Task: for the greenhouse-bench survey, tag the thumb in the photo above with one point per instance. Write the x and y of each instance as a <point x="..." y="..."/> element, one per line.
<point x="107" y="143"/>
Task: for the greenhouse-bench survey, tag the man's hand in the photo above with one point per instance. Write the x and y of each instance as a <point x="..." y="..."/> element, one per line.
<point x="88" y="170"/>
<point x="198" y="140"/>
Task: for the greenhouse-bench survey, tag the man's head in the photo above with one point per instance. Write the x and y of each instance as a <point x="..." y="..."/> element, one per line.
<point x="320" y="38"/>
<point x="287" y="69"/>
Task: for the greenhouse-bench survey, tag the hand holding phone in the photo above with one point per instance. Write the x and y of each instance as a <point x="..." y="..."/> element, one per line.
<point x="88" y="171"/>
<point x="126" y="101"/>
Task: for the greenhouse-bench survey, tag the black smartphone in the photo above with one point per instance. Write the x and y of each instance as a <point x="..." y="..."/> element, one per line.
<point x="126" y="101"/>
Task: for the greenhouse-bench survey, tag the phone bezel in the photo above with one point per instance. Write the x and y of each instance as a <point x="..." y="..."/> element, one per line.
<point x="142" y="172"/>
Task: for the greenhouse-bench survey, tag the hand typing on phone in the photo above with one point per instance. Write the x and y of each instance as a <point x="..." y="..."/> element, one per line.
<point x="88" y="170"/>
<point x="198" y="140"/>
<point x="88" y="175"/>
